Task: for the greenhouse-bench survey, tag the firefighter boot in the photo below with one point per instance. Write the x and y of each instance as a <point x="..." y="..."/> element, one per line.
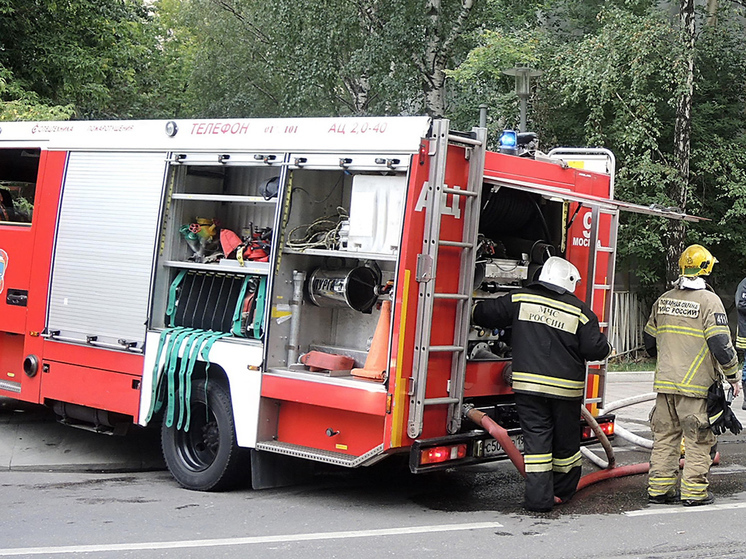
<point x="671" y="498"/>
<point x="708" y="500"/>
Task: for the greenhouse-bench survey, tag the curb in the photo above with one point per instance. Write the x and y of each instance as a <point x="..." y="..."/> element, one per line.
<point x="630" y="376"/>
<point x="32" y="440"/>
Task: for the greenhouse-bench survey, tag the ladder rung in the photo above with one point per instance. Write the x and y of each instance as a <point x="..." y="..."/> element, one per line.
<point x="459" y="192"/>
<point x="603" y="324"/>
<point x="460" y="244"/>
<point x="440" y="401"/>
<point x="460" y="296"/>
<point x="604" y="249"/>
<point x="592" y="401"/>
<point x="603" y="286"/>
<point x="463" y="140"/>
<point x="446" y="348"/>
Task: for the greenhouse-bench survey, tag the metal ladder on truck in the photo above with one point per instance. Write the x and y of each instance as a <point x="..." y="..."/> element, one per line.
<point x="604" y="161"/>
<point x="604" y="290"/>
<point x="426" y="273"/>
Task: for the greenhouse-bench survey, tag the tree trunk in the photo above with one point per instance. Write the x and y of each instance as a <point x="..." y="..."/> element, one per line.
<point x="677" y="190"/>
<point x="435" y="93"/>
<point x="359" y="91"/>
<point x="712" y="12"/>
<point x="438" y="48"/>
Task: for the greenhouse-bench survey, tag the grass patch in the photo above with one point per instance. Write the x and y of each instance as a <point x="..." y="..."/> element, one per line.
<point x="626" y="364"/>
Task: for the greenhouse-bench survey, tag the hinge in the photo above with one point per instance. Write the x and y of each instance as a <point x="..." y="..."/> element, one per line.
<point x="424" y="268"/>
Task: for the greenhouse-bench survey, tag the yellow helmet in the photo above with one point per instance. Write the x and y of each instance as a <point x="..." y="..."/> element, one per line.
<point x="695" y="261"/>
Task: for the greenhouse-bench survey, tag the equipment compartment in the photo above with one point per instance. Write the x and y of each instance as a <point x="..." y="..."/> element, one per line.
<point x="217" y="240"/>
<point x="340" y="242"/>
<point x="518" y="232"/>
<point x="210" y="206"/>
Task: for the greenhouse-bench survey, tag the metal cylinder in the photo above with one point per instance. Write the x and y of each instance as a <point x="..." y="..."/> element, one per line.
<point x="85" y="414"/>
<point x="483" y="115"/>
<point x="31" y="365"/>
<point x="299" y="279"/>
<point x="538" y="251"/>
<point x="352" y="288"/>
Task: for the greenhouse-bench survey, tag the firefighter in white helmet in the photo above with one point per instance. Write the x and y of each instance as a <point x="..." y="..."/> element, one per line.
<point x="688" y="332"/>
<point x="554" y="334"/>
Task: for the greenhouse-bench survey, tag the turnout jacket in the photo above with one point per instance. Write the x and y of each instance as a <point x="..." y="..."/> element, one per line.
<point x="741" y="308"/>
<point x="554" y="334"/>
<point x="688" y="332"/>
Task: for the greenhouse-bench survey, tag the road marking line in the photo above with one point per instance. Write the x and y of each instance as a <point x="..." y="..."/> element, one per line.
<point x="672" y="509"/>
<point x="723" y="470"/>
<point x="149" y="546"/>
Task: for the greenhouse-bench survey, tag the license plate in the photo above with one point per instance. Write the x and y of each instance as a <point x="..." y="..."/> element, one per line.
<point x="494" y="448"/>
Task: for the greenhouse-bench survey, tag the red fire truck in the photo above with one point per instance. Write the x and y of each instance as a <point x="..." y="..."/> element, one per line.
<point x="279" y="292"/>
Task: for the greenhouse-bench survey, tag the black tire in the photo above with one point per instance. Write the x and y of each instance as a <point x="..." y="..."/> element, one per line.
<point x="207" y="457"/>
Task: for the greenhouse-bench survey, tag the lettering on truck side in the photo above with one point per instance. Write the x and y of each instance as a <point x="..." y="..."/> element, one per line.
<point x="585" y="240"/>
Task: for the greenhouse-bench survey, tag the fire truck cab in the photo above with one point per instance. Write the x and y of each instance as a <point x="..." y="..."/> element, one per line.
<point x="279" y="292"/>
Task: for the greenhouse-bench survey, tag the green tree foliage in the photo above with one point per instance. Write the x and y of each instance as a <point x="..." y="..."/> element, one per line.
<point x="627" y="81"/>
<point x="18" y="104"/>
<point x="718" y="170"/>
<point x="613" y="73"/>
<point x="480" y="79"/>
<point x="622" y="83"/>
<point x="102" y="57"/>
<point x="270" y="59"/>
<point x="329" y="57"/>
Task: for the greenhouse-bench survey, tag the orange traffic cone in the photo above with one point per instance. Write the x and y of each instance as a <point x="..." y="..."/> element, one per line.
<point x="376" y="364"/>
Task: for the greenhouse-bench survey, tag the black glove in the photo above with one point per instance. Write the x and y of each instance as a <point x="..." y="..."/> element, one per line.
<point x="731" y="421"/>
<point x="719" y="414"/>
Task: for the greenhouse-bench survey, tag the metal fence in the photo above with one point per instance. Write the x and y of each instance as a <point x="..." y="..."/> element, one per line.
<point x="627" y="322"/>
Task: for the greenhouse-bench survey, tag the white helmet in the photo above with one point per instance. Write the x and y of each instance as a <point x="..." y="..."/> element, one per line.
<point x="560" y="272"/>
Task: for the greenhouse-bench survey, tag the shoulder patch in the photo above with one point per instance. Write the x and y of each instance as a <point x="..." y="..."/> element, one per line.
<point x="549" y="316"/>
<point x="678" y="307"/>
<point x="721" y="319"/>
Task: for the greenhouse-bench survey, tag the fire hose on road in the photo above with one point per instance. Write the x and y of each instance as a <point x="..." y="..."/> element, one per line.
<point x="500" y="434"/>
<point x="618" y="430"/>
<point x="609" y="468"/>
<point x="515" y="456"/>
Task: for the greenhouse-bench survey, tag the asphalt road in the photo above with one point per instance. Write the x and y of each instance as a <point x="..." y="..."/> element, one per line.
<point x="122" y="510"/>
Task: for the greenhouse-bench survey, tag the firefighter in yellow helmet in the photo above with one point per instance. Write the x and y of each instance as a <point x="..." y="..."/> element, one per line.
<point x="688" y="332"/>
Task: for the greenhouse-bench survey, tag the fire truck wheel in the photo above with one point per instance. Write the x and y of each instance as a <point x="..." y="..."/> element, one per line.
<point x="207" y="457"/>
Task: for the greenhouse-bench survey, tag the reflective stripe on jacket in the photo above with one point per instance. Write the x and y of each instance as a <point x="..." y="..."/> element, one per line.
<point x="554" y="334"/>
<point x="692" y="339"/>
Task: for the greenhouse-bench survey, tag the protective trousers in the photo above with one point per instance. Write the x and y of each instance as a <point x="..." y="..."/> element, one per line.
<point x="551" y="435"/>
<point x="672" y="417"/>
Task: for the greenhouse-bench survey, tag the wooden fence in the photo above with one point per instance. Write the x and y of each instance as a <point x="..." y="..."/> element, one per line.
<point x="627" y="322"/>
